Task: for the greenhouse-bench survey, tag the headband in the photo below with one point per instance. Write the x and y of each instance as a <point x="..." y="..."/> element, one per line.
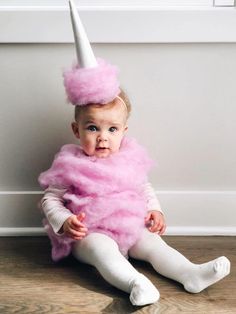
<point x="122" y="101"/>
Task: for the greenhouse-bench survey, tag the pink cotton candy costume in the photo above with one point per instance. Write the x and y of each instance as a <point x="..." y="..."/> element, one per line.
<point x="108" y="190"/>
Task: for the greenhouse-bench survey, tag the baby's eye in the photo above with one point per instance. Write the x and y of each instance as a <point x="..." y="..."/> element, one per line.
<point x="112" y="129"/>
<point x="92" y="128"/>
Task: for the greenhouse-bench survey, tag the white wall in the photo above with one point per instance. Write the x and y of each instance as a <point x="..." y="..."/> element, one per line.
<point x="183" y="97"/>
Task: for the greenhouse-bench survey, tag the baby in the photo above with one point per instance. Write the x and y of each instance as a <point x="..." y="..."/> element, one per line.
<point x="98" y="202"/>
<point x="101" y="208"/>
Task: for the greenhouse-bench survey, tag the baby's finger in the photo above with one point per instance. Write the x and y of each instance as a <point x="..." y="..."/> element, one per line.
<point x="162" y="229"/>
<point x="154" y="226"/>
<point x="149" y="224"/>
<point x="79" y="227"/>
<point x="77" y="224"/>
<point x="80" y="236"/>
<point x="158" y="227"/>
<point x="75" y="234"/>
<point x="148" y="217"/>
<point x="83" y="229"/>
<point x="81" y="216"/>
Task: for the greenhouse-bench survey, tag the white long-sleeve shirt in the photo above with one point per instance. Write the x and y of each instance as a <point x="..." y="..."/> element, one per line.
<point x="53" y="205"/>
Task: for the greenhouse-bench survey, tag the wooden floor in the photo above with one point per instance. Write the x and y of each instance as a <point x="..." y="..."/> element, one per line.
<point x="30" y="283"/>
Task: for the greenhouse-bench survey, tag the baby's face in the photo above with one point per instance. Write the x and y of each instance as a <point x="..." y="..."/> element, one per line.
<point x="101" y="129"/>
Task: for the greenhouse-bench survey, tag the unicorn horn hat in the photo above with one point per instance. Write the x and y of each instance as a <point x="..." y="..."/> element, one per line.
<point x="90" y="80"/>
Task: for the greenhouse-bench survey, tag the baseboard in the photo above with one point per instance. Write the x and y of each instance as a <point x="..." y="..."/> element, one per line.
<point x="201" y="231"/>
<point x="22" y="232"/>
<point x="171" y="231"/>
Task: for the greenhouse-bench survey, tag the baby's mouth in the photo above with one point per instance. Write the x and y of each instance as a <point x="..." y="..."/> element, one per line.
<point x="101" y="148"/>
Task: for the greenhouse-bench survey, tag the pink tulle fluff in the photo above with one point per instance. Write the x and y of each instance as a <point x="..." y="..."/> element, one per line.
<point x="92" y="85"/>
<point x="108" y="190"/>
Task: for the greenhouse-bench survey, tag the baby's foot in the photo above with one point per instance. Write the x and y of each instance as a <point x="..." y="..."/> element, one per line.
<point x="143" y="291"/>
<point x="207" y="274"/>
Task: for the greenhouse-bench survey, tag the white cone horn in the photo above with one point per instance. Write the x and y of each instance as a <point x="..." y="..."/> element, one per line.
<point x="85" y="55"/>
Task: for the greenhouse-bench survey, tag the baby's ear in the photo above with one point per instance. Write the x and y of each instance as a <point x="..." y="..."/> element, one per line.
<point x="75" y="129"/>
<point x="126" y="128"/>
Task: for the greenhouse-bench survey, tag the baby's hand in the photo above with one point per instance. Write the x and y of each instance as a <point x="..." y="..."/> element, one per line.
<point x="155" y="222"/>
<point x="74" y="228"/>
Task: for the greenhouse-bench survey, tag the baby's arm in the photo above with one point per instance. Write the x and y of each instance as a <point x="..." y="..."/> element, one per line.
<point x="60" y="218"/>
<point x="154" y="220"/>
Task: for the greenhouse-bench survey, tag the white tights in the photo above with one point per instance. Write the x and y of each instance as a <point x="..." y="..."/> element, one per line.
<point x="103" y="253"/>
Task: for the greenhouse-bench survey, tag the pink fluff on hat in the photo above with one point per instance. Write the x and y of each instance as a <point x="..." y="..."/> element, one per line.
<point x="97" y="84"/>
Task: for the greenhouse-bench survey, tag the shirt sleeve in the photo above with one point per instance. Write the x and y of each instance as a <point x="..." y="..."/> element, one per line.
<point x="53" y="207"/>
<point x="152" y="200"/>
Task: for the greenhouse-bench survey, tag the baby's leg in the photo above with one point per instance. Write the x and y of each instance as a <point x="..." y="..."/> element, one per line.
<point x="170" y="263"/>
<point x="103" y="253"/>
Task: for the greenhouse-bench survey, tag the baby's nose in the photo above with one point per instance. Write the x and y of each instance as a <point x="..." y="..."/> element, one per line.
<point x="102" y="137"/>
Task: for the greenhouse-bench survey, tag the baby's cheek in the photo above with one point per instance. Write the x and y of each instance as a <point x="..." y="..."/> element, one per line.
<point x="88" y="146"/>
<point x="117" y="144"/>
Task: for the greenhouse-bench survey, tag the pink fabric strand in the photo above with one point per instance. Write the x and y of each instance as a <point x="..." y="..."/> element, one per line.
<point x="92" y="85"/>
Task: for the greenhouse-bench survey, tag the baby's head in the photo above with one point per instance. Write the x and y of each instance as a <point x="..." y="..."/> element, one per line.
<point x="101" y="128"/>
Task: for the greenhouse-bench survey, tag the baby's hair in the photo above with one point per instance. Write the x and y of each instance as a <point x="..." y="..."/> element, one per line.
<point x="122" y="95"/>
